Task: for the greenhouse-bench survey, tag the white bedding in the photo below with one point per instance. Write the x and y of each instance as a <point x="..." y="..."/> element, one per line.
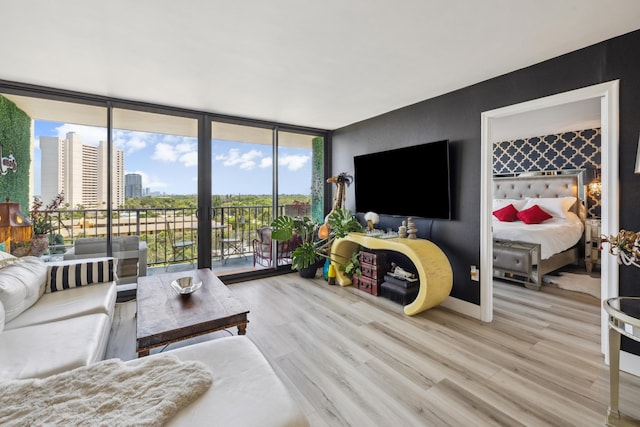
<point x="554" y="235"/>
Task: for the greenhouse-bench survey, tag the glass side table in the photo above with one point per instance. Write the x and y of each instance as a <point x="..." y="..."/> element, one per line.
<point x="624" y="319"/>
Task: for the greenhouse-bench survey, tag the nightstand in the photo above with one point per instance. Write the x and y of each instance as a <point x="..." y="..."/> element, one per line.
<point x="592" y="234"/>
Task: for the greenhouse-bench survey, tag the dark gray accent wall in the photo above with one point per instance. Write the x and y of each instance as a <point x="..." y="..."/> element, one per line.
<point x="456" y="116"/>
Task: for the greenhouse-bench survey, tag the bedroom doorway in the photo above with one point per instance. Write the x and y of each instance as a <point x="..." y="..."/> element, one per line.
<point x="492" y="126"/>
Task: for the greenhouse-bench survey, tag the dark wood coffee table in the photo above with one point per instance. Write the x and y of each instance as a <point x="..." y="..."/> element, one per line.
<point x="164" y="317"/>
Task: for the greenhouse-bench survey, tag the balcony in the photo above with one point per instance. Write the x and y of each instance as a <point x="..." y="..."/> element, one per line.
<point x="232" y="228"/>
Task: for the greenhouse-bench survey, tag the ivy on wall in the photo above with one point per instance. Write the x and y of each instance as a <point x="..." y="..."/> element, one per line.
<point x="317" y="179"/>
<point x="15" y="139"/>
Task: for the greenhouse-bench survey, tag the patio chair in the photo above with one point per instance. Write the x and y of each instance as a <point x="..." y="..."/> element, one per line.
<point x="262" y="248"/>
<point x="178" y="248"/>
<point x="232" y="245"/>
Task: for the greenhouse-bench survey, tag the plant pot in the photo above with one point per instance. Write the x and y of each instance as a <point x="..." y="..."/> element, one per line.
<point x="39" y="244"/>
<point x="310" y="272"/>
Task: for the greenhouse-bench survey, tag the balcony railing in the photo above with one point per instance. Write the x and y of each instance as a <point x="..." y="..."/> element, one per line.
<point x="235" y="223"/>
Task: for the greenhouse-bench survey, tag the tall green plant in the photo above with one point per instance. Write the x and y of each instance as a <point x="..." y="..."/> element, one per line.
<point x="312" y="246"/>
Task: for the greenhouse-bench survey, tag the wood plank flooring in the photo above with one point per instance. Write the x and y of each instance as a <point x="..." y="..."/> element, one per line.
<point x="352" y="359"/>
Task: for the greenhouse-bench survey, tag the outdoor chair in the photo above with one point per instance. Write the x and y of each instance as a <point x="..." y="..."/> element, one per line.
<point x="262" y="248"/>
<point x="178" y="248"/>
<point x="232" y="245"/>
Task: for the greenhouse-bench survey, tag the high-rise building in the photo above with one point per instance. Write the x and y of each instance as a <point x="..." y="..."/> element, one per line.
<point x="132" y="185"/>
<point x="80" y="171"/>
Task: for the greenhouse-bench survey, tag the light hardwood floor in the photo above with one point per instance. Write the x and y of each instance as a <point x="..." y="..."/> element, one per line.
<point x="352" y="359"/>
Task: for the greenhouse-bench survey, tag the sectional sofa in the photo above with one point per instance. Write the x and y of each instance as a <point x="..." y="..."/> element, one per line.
<point x="55" y="320"/>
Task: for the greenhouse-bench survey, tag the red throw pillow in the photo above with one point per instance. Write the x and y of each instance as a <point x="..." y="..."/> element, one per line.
<point x="533" y="215"/>
<point x="508" y="213"/>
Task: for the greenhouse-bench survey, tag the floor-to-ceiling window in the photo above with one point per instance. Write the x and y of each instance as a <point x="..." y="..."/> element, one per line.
<point x="67" y="161"/>
<point x="126" y="168"/>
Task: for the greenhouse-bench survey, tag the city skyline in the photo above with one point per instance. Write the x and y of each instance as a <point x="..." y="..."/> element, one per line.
<point x="168" y="163"/>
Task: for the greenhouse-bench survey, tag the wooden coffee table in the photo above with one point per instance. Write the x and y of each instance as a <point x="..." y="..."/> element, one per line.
<point x="164" y="317"/>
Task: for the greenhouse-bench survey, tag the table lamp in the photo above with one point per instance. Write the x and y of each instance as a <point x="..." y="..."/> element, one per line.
<point x="13" y="225"/>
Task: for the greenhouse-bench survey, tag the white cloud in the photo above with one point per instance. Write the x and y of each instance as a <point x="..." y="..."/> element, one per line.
<point x="184" y="152"/>
<point x="234" y="157"/>
<point x="266" y="162"/>
<point x="164" y="153"/>
<point x="134" y="144"/>
<point x="90" y="135"/>
<point x="189" y="159"/>
<point x="293" y="162"/>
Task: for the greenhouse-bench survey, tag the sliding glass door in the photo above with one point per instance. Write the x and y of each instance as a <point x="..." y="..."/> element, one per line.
<point x="155" y="185"/>
<point x="242" y="195"/>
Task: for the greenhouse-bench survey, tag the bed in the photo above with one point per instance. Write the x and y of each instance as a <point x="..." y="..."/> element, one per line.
<point x="524" y="252"/>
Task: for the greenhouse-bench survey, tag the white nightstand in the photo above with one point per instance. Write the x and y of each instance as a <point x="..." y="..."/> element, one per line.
<point x="592" y="235"/>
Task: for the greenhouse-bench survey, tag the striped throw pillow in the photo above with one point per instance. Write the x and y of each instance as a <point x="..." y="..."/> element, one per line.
<point x="75" y="275"/>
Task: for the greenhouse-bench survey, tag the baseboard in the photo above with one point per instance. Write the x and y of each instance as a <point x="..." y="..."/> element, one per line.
<point x="462" y="307"/>
<point x="630" y="363"/>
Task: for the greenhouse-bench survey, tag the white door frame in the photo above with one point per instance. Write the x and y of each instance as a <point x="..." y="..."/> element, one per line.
<point x="609" y="117"/>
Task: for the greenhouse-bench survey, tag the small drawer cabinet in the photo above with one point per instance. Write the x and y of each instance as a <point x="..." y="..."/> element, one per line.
<point x="592" y="234"/>
<point x="373" y="266"/>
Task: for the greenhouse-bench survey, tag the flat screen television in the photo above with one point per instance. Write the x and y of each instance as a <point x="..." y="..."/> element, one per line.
<point x="408" y="181"/>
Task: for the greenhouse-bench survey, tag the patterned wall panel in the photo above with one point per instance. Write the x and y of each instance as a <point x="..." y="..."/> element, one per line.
<point x="569" y="150"/>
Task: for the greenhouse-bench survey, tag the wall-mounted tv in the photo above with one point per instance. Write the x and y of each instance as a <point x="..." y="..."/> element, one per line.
<point x="407" y="181"/>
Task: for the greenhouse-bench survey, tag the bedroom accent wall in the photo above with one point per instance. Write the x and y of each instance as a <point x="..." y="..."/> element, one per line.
<point x="579" y="149"/>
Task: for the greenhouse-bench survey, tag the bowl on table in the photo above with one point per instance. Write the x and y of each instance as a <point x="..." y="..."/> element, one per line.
<point x="185" y="285"/>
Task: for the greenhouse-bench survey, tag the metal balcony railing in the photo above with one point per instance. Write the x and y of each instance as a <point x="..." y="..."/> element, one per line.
<point x="234" y="223"/>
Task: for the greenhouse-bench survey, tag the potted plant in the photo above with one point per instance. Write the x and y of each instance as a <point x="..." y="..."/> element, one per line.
<point x="41" y="223"/>
<point x="315" y="238"/>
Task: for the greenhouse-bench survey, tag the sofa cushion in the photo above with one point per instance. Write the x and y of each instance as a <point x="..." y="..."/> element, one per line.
<point x="21" y="284"/>
<point x="98" y="298"/>
<point x="68" y="275"/>
<point x="50" y="348"/>
<point x="241" y="373"/>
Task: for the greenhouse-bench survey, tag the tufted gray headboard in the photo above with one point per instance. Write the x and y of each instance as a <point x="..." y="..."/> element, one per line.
<point x="539" y="186"/>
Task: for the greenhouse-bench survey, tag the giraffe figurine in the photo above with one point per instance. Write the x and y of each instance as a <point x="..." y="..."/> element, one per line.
<point x="341" y="181"/>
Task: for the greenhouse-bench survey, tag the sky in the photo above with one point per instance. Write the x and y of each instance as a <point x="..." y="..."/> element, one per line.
<point x="169" y="164"/>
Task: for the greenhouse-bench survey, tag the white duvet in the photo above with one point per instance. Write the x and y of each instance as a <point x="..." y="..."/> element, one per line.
<point x="554" y="235"/>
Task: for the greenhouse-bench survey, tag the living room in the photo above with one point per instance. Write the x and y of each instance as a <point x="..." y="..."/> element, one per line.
<point x="453" y="113"/>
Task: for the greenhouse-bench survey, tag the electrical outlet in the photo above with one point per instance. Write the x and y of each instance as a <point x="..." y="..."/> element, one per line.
<point x="475" y="274"/>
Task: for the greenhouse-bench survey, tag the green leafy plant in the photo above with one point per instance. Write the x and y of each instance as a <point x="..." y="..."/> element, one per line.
<point x="352" y="266"/>
<point x="315" y="238"/>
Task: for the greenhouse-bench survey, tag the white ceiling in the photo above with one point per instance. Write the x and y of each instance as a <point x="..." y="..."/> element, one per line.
<point x="323" y="64"/>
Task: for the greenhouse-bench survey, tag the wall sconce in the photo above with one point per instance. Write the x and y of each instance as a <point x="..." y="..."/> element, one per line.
<point x="13" y="225"/>
<point x="595" y="186"/>
<point x="637" y="171"/>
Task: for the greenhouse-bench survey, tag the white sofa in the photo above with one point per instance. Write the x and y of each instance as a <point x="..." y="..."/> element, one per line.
<point x="43" y="333"/>
<point x="246" y="392"/>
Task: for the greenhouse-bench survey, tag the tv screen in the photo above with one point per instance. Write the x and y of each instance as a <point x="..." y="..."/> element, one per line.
<point x="408" y="181"/>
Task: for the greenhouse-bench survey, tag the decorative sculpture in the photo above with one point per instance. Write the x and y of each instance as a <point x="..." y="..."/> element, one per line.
<point x="402" y="230"/>
<point x="411" y="229"/>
